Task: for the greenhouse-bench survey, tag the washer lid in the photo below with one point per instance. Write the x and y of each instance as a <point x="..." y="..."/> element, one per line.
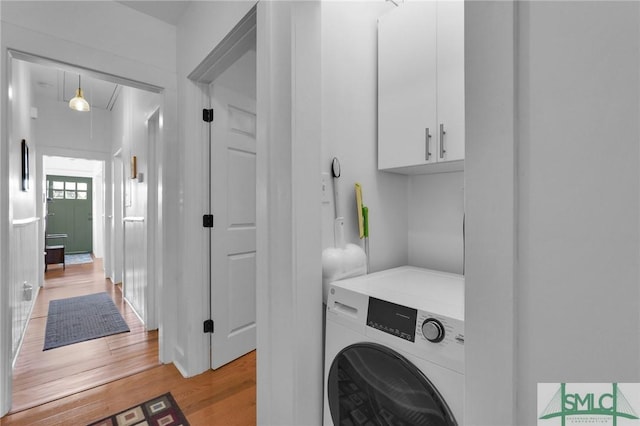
<point x="419" y="288"/>
<point x="372" y="384"/>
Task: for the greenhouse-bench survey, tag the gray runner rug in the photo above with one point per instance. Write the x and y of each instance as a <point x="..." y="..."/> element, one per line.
<point x="81" y="318"/>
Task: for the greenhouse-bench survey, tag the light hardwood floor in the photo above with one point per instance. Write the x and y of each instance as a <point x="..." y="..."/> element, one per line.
<point x="84" y="382"/>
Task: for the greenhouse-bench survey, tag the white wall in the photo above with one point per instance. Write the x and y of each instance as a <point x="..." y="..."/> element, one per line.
<point x="107" y="26"/>
<point x="5" y="322"/>
<point x="5" y="318"/>
<point x="349" y="132"/>
<point x="98" y="212"/>
<point x="26" y="252"/>
<point x="119" y="41"/>
<point x="130" y="136"/>
<point x="490" y="393"/>
<point x="436" y="213"/>
<point x="566" y="308"/>
<point x="578" y="196"/>
<point x="203" y="25"/>
<point x="21" y="127"/>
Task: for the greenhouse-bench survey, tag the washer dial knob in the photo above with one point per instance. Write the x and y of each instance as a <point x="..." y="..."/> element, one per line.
<point x="433" y="330"/>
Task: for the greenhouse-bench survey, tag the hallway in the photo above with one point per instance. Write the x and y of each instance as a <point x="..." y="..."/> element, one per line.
<point x="81" y="383"/>
<point x="43" y="376"/>
<point x="224" y="397"/>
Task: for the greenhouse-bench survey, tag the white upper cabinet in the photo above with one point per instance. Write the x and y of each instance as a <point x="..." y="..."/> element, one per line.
<point x="451" y="77"/>
<point x="421" y="87"/>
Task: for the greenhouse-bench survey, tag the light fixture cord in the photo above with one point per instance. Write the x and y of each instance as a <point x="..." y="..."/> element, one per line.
<point x="90" y="113"/>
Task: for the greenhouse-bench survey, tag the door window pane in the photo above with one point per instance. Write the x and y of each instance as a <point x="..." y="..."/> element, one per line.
<point x="70" y="195"/>
<point x="82" y="186"/>
<point x="58" y="185"/>
<point x="82" y="195"/>
<point x="70" y="185"/>
<point x="58" y="195"/>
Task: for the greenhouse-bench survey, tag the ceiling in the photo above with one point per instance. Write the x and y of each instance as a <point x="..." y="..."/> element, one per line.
<point x="167" y="11"/>
<point x="53" y="84"/>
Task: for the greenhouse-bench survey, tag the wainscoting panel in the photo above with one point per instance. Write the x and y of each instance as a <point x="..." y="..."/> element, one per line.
<point x="25" y="257"/>
<point x="135" y="265"/>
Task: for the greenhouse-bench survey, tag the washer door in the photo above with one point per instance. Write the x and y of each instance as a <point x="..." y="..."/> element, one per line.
<point x="370" y="384"/>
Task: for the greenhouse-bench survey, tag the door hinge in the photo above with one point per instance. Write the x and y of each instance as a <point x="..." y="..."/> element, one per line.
<point x="207" y="115"/>
<point x="207" y="221"/>
<point x="208" y="326"/>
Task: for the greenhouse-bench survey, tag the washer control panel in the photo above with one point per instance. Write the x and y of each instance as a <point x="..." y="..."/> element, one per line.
<point x="428" y="335"/>
<point x="391" y="318"/>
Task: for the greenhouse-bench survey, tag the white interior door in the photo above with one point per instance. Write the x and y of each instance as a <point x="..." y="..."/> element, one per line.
<point x="233" y="186"/>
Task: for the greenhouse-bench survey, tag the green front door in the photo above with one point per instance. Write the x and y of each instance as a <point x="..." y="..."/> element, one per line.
<point x="69" y="211"/>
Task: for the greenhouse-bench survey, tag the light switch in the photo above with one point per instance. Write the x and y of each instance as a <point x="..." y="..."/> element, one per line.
<point x="325" y="188"/>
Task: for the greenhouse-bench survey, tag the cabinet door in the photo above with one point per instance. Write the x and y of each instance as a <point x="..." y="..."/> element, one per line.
<point x="450" y="80"/>
<point x="407" y="86"/>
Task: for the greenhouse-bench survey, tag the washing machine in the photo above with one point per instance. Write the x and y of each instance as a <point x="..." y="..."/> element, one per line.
<point x="394" y="349"/>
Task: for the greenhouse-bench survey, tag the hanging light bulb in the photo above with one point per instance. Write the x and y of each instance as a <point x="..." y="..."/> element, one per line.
<point x="79" y="103"/>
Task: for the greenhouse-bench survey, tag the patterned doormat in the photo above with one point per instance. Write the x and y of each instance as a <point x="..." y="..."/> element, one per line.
<point x="161" y="411"/>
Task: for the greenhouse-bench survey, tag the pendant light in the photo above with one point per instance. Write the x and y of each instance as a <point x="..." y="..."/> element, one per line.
<point x="79" y="103"/>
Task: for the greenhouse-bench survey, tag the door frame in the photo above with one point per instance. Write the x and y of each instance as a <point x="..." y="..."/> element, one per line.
<point x="42" y="152"/>
<point x="116" y="209"/>
<point x="152" y="219"/>
<point x="6" y="374"/>
<point x="240" y="39"/>
<point x="289" y="365"/>
<point x="91" y="180"/>
<point x="289" y="269"/>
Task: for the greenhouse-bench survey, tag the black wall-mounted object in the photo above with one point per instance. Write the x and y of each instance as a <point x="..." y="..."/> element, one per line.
<point x="25" y="166"/>
<point x="207" y="115"/>
<point x="207" y="221"/>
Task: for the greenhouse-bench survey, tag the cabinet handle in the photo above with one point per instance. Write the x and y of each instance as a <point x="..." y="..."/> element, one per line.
<point x="427" y="137"/>
<point x="442" y="133"/>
